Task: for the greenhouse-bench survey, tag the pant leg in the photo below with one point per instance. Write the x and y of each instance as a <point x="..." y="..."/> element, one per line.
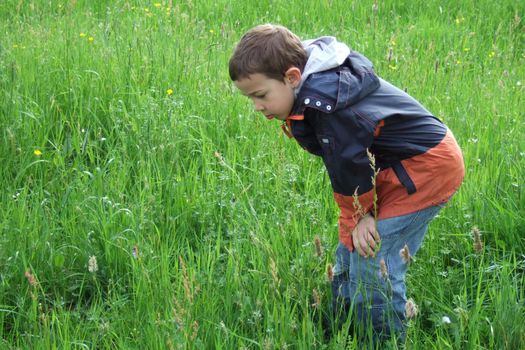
<point x="361" y="289"/>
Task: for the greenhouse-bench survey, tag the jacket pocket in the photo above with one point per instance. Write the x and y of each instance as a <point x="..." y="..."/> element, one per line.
<point x="327" y="145"/>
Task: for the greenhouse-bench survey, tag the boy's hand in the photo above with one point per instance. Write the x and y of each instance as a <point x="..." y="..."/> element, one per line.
<point x="365" y="236"/>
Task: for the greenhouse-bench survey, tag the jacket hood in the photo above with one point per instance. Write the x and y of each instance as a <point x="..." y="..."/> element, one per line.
<point x="324" y="53"/>
<point x="334" y="77"/>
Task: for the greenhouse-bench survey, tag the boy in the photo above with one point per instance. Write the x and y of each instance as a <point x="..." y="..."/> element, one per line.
<point x="391" y="163"/>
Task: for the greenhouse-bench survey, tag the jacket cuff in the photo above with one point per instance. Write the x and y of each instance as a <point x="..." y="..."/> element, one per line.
<point x="351" y="213"/>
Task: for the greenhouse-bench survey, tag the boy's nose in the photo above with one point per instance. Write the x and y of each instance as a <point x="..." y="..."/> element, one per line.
<point x="258" y="106"/>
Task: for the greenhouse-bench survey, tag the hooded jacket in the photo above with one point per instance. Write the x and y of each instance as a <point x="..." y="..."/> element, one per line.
<point x="346" y="114"/>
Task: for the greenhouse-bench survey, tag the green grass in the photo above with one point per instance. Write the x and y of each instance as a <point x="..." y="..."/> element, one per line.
<point x="220" y="206"/>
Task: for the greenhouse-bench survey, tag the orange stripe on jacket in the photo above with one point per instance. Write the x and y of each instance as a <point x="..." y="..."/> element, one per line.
<point x="287" y="125"/>
<point x="437" y="174"/>
<point x="377" y="130"/>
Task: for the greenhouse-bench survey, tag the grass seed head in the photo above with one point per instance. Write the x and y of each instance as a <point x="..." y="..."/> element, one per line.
<point x="383" y="270"/>
<point x="195" y="330"/>
<point x="404" y="253"/>
<point x="317" y="299"/>
<point x="135" y="252"/>
<point x="31" y="279"/>
<point x="411" y="309"/>
<point x="359" y="211"/>
<point x="318" y="247"/>
<point x="330" y="273"/>
<point x="476" y="236"/>
<point x="219" y="157"/>
<point x="275" y="273"/>
<point x="92" y="264"/>
<point x="189" y="284"/>
<point x="179" y="313"/>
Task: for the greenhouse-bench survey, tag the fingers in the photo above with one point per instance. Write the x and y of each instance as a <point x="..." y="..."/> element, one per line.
<point x="365" y="237"/>
<point x="366" y="242"/>
<point x="371" y="241"/>
<point x="375" y="234"/>
<point x="356" y="238"/>
<point x="363" y="247"/>
<point x="370" y="246"/>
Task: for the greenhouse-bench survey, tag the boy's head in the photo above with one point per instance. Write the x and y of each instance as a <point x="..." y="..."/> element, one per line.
<point x="267" y="49"/>
<point x="266" y="66"/>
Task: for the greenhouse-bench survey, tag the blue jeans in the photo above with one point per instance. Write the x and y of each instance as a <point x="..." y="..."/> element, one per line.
<point x="371" y="296"/>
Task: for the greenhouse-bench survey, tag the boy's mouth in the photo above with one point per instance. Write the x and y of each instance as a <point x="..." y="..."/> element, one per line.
<point x="269" y="116"/>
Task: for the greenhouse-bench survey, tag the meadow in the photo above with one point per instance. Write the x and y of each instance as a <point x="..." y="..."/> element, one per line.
<point x="145" y="205"/>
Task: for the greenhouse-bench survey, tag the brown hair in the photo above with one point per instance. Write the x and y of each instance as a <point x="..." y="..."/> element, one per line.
<point x="267" y="49"/>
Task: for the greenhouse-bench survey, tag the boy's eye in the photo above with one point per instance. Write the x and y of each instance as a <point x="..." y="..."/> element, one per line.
<point x="260" y="96"/>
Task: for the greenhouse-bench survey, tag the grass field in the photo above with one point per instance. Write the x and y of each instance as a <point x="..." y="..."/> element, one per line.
<point x="145" y="205"/>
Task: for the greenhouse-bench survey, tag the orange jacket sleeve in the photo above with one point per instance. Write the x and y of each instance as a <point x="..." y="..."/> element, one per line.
<point x="351" y="213"/>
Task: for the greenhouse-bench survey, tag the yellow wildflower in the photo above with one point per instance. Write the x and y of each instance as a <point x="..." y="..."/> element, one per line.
<point x="37" y="152"/>
<point x="491" y="54"/>
<point x="91" y="39"/>
<point x="157" y="4"/>
<point x="392" y="66"/>
<point x="460" y="19"/>
<point x="82" y="34"/>
<point x="212" y="31"/>
<point x="466" y="49"/>
<point x="169" y="92"/>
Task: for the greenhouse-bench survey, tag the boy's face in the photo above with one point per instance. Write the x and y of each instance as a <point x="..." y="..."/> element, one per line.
<point x="271" y="97"/>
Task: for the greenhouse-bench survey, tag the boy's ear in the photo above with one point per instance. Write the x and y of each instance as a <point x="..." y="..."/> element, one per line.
<point x="293" y="76"/>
